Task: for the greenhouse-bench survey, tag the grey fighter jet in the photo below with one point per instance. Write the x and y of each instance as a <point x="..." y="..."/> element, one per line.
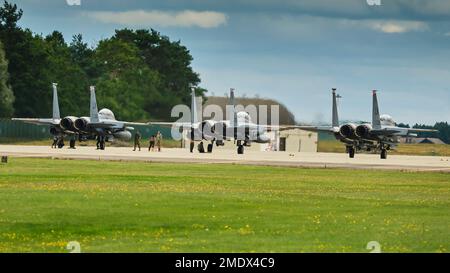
<point x="380" y="135"/>
<point x="102" y="125"/>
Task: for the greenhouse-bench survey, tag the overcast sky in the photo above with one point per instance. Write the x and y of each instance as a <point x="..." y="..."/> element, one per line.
<point x="291" y="50"/>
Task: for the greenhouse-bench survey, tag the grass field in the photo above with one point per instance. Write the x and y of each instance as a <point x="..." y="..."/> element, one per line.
<point x="143" y="207"/>
<point x="332" y="146"/>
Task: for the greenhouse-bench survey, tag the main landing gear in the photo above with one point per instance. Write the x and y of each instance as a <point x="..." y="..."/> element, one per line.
<point x="210" y="147"/>
<point x="201" y="147"/>
<point x="351" y="151"/>
<point x="240" y="146"/>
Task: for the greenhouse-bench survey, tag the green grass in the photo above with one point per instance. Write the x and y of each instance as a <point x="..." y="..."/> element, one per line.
<point x="167" y="143"/>
<point x="143" y="207"/>
<point x="333" y="146"/>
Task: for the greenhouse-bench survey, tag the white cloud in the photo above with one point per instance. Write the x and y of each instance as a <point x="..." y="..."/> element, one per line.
<point x="142" y="18"/>
<point x="291" y="26"/>
<point x="396" y="26"/>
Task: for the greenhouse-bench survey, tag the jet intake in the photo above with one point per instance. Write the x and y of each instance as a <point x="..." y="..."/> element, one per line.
<point x="348" y="131"/>
<point x="123" y="135"/>
<point x="363" y="131"/>
<point x="68" y="123"/>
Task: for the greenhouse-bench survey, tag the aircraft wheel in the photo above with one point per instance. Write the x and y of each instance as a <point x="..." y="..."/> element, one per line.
<point x="384" y="154"/>
<point x="201" y="148"/>
<point x="210" y="148"/>
<point x="240" y="150"/>
<point x="351" y="152"/>
<point x="191" y="147"/>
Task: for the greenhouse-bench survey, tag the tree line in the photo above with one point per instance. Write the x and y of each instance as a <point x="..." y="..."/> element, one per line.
<point x="442" y="127"/>
<point x="140" y="74"/>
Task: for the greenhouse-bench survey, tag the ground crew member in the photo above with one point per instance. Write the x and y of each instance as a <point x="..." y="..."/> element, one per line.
<point x="55" y="142"/>
<point x="151" y="147"/>
<point x="137" y="140"/>
<point x="159" y="140"/>
<point x="72" y="142"/>
<point x="98" y="142"/>
<point x="60" y="142"/>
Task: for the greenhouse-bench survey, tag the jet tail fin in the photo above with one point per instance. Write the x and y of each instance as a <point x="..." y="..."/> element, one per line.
<point x="335" y="116"/>
<point x="194" y="109"/>
<point x="56" y="114"/>
<point x="93" y="107"/>
<point x="376" y="121"/>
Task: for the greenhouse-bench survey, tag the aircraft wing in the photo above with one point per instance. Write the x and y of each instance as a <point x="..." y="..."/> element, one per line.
<point x="113" y="123"/>
<point x="184" y="125"/>
<point x="39" y="121"/>
<point x="392" y="131"/>
<point x="327" y="129"/>
<point x="132" y="123"/>
<point x="102" y="124"/>
<point x="278" y="127"/>
<point x="414" y="130"/>
<point x="385" y="132"/>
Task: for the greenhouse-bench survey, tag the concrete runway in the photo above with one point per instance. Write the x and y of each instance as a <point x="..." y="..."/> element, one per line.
<point x="316" y="160"/>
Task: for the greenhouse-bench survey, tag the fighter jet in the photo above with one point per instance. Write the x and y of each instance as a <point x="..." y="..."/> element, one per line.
<point x="383" y="130"/>
<point x="344" y="133"/>
<point x="58" y="127"/>
<point x="102" y="125"/>
<point x="239" y="128"/>
<point x="381" y="135"/>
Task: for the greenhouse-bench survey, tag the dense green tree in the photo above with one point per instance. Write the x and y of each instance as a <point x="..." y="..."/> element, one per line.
<point x="403" y="125"/>
<point x="73" y="83"/>
<point x="127" y="84"/>
<point x="171" y="59"/>
<point x="82" y="55"/>
<point x="6" y="94"/>
<point x="444" y="131"/>
<point x="442" y="127"/>
<point x="26" y="54"/>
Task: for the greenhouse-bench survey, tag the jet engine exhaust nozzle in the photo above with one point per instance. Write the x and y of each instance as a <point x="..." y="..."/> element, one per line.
<point x="80" y="124"/>
<point x="363" y="131"/>
<point x="348" y="131"/>
<point x="68" y="123"/>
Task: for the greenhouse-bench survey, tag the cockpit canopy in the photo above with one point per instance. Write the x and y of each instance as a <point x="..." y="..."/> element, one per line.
<point x="243" y="117"/>
<point x="387" y="120"/>
<point x="106" y="114"/>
